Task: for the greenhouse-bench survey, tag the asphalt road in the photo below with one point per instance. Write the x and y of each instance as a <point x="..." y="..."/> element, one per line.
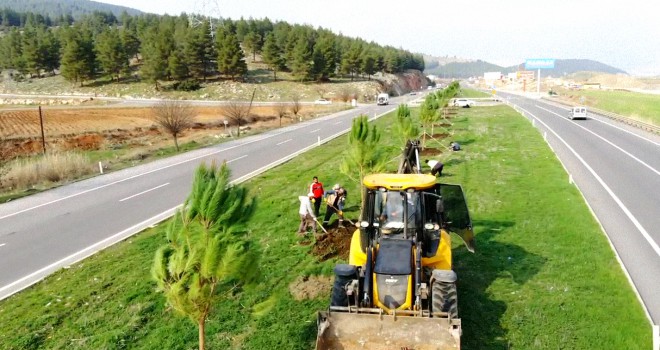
<point x="617" y="169"/>
<point x="47" y="231"/>
<point x="615" y="166"/>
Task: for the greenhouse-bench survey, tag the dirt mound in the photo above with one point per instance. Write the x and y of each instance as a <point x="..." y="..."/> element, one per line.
<point x="310" y="287"/>
<point x="84" y="142"/>
<point x="335" y="243"/>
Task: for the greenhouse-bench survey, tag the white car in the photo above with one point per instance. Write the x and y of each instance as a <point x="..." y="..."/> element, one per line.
<point x="578" y="113"/>
<point x="322" y="101"/>
<point x="463" y="102"/>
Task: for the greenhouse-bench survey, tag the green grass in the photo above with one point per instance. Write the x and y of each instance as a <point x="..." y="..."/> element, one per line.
<point x="470" y="93"/>
<point x="639" y="106"/>
<point x="543" y="276"/>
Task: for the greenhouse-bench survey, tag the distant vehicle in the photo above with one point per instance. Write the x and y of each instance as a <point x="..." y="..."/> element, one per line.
<point x="383" y="99"/>
<point x="322" y="101"/>
<point x="463" y="102"/>
<point x="577" y="113"/>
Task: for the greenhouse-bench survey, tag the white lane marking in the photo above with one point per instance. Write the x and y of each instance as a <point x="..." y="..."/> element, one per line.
<point x="628" y="131"/>
<point x="337" y="123"/>
<point x="620" y="128"/>
<point x="604" y="139"/>
<point x="299" y="126"/>
<point x="82" y="254"/>
<point x="283" y="142"/>
<point x="616" y="199"/>
<point x="3" y="244"/>
<point x="132" y="177"/>
<point x="143" y="192"/>
<point x="235" y="159"/>
<point x="313" y="131"/>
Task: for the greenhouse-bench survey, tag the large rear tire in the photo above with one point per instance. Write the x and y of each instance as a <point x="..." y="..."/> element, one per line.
<point x="444" y="298"/>
<point x="339" y="297"/>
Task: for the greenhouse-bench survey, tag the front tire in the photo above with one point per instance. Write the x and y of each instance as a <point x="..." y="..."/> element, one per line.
<point x="339" y="297"/>
<point x="444" y="298"/>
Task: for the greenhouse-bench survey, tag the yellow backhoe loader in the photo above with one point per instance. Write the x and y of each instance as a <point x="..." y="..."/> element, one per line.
<point x="398" y="290"/>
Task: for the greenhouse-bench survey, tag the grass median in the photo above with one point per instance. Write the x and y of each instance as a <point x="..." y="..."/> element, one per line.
<point x="543" y="275"/>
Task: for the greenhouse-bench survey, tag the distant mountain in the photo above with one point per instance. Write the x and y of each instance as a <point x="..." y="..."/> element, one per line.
<point x="570" y="66"/>
<point x="478" y="68"/>
<point x="58" y="8"/>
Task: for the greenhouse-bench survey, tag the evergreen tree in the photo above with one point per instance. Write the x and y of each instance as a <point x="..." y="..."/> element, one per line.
<point x="31" y="52"/>
<point x="251" y="43"/>
<point x="325" y="58"/>
<point x="272" y="55"/>
<point x="301" y="66"/>
<point x="231" y="60"/>
<point x="15" y="51"/>
<point x="78" y="61"/>
<point x="154" y="54"/>
<point x="391" y="62"/>
<point x="428" y="116"/>
<point x="50" y="48"/>
<point x="112" y="55"/>
<point x="352" y="61"/>
<point x="198" y="50"/>
<point x="363" y="154"/>
<point x="242" y="29"/>
<point x="369" y="66"/>
<point x="176" y="65"/>
<point x="207" y="254"/>
<point x="130" y="41"/>
<point x="405" y="128"/>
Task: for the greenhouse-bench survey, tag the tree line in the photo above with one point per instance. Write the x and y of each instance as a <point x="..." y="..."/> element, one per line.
<point x="171" y="48"/>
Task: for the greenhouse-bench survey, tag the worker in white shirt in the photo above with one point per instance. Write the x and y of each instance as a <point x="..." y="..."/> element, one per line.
<point x="436" y="167"/>
<point x="307" y="217"/>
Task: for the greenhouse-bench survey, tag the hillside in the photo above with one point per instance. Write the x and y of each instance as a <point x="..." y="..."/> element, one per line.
<point x="58" y="8"/>
<point x="462" y="69"/>
<point x="458" y="69"/>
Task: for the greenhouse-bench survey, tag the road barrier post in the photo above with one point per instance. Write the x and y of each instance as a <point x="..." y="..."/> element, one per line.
<point x="656" y="337"/>
<point x="101" y="168"/>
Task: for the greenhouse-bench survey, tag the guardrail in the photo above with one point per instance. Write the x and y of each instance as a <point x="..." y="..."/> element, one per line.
<point x="613" y="116"/>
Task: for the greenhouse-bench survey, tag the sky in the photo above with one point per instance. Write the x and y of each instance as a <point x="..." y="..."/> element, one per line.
<point x="623" y="34"/>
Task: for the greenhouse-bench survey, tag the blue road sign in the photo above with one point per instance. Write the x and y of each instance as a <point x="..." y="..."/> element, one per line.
<point x="540" y="63"/>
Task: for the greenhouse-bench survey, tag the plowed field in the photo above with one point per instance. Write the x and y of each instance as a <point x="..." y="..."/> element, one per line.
<point x="98" y="128"/>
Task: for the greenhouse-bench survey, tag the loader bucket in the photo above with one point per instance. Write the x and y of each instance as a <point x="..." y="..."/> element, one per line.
<point x="348" y="331"/>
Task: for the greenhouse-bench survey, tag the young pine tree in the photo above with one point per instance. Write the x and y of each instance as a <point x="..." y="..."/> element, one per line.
<point x="363" y="155"/>
<point x="207" y="256"/>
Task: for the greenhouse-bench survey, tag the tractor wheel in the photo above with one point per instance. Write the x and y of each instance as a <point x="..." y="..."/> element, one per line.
<point x="339" y="297"/>
<point x="444" y="298"/>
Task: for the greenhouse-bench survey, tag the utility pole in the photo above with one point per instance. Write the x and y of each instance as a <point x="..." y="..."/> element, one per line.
<point x="43" y="137"/>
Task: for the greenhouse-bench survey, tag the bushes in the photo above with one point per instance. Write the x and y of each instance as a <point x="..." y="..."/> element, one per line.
<point x="53" y="167"/>
<point x="187" y="85"/>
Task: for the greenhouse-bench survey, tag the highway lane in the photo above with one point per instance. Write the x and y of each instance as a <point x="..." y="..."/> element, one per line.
<point x="617" y="168"/>
<point x="50" y="230"/>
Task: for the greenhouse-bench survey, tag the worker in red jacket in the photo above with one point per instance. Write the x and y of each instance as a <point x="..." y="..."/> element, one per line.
<point x="317" y="189"/>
